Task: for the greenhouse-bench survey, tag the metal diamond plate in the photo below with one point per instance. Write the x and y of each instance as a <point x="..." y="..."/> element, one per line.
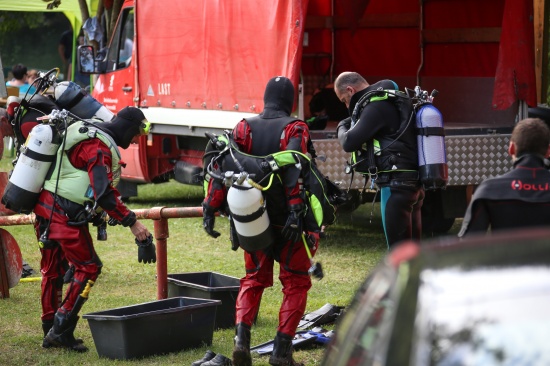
<point x="335" y="163"/>
<point x="471" y="159"/>
<point x="474" y="158"/>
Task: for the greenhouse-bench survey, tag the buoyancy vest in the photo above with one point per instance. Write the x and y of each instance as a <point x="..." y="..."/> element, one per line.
<point x="74" y="184"/>
<point x="266" y="133"/>
<point x="315" y="186"/>
<point x="266" y="171"/>
<point x="388" y="156"/>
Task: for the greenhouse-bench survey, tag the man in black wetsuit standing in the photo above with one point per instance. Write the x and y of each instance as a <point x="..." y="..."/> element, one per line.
<point x="379" y="122"/>
<point x="521" y="197"/>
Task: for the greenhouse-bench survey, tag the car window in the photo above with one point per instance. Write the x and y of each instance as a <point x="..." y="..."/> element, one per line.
<point x="362" y="333"/>
<point x="483" y="316"/>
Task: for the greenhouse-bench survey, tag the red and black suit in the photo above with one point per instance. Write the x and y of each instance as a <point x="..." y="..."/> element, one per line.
<point x="272" y="131"/>
<point x="74" y="242"/>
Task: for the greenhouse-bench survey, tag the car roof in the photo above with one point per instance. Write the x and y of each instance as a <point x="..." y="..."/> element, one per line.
<point x="513" y="247"/>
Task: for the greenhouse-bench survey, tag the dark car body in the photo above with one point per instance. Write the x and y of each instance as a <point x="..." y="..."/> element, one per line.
<point x="480" y="301"/>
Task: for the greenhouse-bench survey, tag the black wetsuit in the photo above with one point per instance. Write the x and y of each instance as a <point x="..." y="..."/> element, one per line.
<point x="519" y="198"/>
<point x="401" y="191"/>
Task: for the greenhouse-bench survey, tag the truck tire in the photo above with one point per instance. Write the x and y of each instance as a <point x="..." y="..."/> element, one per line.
<point x="127" y="189"/>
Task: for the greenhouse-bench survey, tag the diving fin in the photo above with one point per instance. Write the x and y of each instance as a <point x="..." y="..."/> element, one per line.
<point x="301" y="339"/>
<point x="326" y="314"/>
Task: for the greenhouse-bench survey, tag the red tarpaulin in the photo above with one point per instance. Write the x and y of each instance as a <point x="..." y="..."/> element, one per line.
<point x="515" y="76"/>
<point x="221" y="53"/>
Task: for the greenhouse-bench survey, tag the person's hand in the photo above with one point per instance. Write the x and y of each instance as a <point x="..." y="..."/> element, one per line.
<point x="147" y="252"/>
<point x="140" y="231"/>
<point x="345" y="124"/>
<point x="294" y="223"/>
<point x="208" y="220"/>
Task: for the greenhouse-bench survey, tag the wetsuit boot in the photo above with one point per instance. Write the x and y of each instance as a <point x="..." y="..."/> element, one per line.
<point x="241" y="351"/>
<point x="207" y="357"/>
<point x="61" y="334"/>
<point x="46" y="326"/>
<point x="282" y="351"/>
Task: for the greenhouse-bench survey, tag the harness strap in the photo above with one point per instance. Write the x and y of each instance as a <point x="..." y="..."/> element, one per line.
<point x="76" y="99"/>
<point x="430" y="131"/>
<point x="373" y="170"/>
<point x="38" y="156"/>
<point x="249" y="218"/>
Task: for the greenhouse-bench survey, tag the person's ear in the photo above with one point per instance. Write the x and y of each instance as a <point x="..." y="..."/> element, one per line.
<point x="512" y="149"/>
<point x="547" y="152"/>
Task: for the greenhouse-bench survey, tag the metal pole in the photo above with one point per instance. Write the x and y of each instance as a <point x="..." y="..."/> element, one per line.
<point x="142" y="213"/>
<point x="4" y="287"/>
<point x="161" y="234"/>
<point x="159" y="215"/>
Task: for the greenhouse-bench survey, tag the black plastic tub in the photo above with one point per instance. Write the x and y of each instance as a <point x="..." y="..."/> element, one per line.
<point x="157" y="327"/>
<point x="208" y="285"/>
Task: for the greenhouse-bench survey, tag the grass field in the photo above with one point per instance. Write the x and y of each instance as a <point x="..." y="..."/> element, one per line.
<point x="353" y="246"/>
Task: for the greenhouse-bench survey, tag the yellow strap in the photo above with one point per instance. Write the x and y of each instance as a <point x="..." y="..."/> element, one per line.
<point x="30" y="279"/>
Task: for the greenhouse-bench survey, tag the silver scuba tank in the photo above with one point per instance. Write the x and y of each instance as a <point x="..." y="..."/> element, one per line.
<point x="248" y="211"/>
<point x="27" y="178"/>
<point x="432" y="154"/>
<point x="70" y="96"/>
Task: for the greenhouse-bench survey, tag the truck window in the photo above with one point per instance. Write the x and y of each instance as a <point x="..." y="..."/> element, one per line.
<point x="120" y="51"/>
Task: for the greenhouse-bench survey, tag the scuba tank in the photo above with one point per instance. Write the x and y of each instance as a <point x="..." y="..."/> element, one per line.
<point x="26" y="180"/>
<point x="248" y="212"/>
<point x="72" y="97"/>
<point x="432" y="154"/>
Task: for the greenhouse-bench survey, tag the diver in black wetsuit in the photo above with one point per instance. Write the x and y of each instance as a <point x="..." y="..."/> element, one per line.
<point x="391" y="132"/>
<point x="521" y="197"/>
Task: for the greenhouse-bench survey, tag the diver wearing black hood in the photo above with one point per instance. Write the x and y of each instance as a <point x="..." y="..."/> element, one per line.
<point x="82" y="184"/>
<point x="278" y="100"/>
<point x="127" y="124"/>
<point x="271" y="131"/>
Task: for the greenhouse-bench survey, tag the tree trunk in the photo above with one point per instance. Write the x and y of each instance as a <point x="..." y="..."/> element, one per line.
<point x="84" y="11"/>
<point x="115" y="10"/>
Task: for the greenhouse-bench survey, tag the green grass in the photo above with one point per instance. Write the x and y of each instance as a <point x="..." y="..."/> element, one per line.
<point x="352" y="248"/>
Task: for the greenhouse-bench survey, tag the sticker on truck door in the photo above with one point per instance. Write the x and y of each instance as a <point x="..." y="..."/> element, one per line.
<point x="150" y="91"/>
<point x="164" y="88"/>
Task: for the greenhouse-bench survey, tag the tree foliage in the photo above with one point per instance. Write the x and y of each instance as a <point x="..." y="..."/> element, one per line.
<point x="12" y="21"/>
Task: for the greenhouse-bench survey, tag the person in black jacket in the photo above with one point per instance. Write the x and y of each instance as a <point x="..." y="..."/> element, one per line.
<point x="521" y="197"/>
<point x="383" y="121"/>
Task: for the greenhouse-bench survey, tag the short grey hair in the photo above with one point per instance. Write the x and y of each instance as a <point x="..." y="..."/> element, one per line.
<point x="348" y="78"/>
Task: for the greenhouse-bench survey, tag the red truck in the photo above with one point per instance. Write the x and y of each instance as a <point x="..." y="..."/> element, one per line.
<point x="202" y="65"/>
